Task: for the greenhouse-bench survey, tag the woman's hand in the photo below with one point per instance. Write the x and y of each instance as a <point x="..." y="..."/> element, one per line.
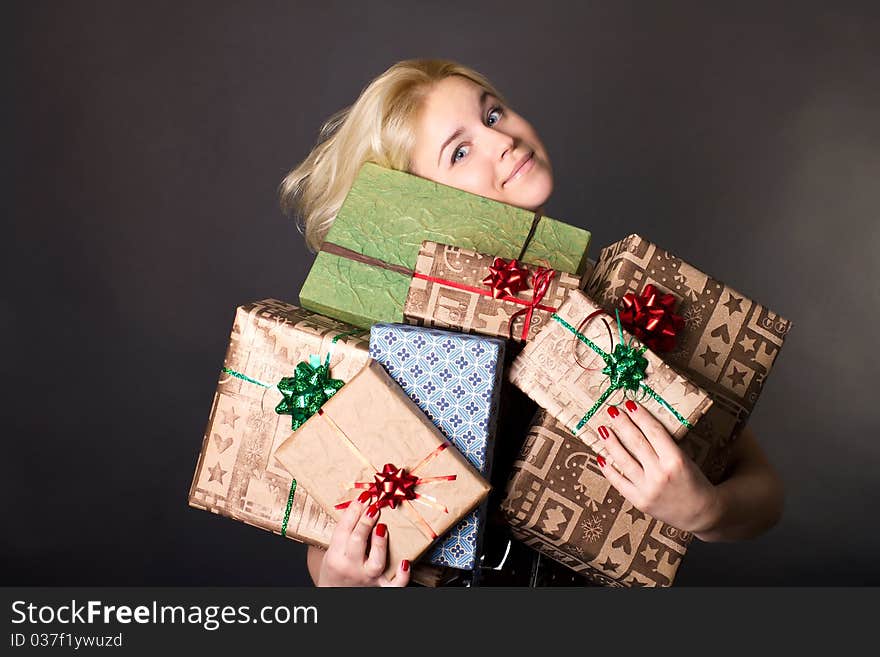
<point x="358" y="552"/>
<point x="652" y="472"/>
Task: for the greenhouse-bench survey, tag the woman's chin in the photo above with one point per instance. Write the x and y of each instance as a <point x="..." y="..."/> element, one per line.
<point x="533" y="198"/>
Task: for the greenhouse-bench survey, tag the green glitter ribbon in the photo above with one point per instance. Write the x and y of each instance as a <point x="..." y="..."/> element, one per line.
<point x="303" y="394"/>
<point x="625" y="367"/>
<point x="288" y="508"/>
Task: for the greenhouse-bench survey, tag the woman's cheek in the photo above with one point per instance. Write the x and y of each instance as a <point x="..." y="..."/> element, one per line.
<point x="478" y="182"/>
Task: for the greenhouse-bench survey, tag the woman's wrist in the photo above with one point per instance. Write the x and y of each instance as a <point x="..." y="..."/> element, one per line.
<point x="711" y="515"/>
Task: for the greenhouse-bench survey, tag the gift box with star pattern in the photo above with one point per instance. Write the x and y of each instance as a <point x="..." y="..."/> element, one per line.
<point x="455" y="379"/>
<point x="558" y="500"/>
<point x="362" y="273"/>
<point x="478" y="293"/>
<point x="236" y="474"/>
<point x="559" y="503"/>
<point x="726" y="344"/>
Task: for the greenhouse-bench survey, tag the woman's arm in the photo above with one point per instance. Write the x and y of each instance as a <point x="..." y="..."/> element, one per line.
<point x="750" y="500"/>
<point x="314" y="559"/>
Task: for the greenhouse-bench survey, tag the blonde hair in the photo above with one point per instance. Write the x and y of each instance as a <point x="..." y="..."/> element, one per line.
<point x="378" y="127"/>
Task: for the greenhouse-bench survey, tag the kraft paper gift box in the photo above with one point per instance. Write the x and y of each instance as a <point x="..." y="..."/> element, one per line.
<point x="236" y="474"/>
<point x="564" y="368"/>
<point x="456" y="380"/>
<point x="371" y="433"/>
<point x="558" y="502"/>
<point x="362" y="273"/>
<point x="477" y="293"/>
<point x="727" y="343"/>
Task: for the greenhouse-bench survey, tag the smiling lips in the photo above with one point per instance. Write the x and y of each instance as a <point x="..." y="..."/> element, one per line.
<point x="522" y="167"/>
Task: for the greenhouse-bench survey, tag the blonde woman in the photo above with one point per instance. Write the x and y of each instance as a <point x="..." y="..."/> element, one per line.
<point x="443" y="121"/>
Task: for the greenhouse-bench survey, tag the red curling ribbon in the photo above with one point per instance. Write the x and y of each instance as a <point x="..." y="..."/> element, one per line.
<point x="540" y="285"/>
<point x="506" y="278"/>
<point x="651" y="319"/>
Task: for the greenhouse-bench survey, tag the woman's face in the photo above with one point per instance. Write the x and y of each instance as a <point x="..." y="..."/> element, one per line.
<point x="467" y="139"/>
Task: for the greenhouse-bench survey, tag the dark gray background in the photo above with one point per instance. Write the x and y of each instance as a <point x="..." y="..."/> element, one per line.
<point x="145" y="142"/>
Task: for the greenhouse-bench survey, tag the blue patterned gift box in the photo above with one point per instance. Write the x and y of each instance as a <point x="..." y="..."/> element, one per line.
<point x="455" y="378"/>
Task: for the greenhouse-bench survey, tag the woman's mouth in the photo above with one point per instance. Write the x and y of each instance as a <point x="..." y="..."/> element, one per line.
<point x="522" y="168"/>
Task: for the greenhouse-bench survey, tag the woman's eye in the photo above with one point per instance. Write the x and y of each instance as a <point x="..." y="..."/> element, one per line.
<point x="460" y="149"/>
<point x="494" y="110"/>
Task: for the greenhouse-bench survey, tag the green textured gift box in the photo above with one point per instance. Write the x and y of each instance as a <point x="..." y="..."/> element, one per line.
<point x="362" y="273"/>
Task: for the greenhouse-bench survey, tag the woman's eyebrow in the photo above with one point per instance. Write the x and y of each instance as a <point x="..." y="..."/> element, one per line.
<point x="458" y="132"/>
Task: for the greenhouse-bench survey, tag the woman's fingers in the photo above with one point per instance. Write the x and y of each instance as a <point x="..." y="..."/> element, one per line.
<point x="631" y="436"/>
<point x="401" y="576"/>
<point x="375" y="564"/>
<point x="356" y="548"/>
<point x="657" y="435"/>
<point x="623" y="485"/>
<point x="622" y="459"/>
<point x="346" y="523"/>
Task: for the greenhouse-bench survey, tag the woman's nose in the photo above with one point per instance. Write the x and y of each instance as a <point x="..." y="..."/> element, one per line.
<point x="502" y="144"/>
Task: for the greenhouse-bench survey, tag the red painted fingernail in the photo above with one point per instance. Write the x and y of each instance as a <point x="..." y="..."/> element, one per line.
<point x="363" y="497"/>
<point x="631" y="406"/>
<point x="381" y="529"/>
<point x="603" y="432"/>
<point x="404" y="565"/>
<point x="613" y="412"/>
<point x="601" y="461"/>
<point x="372" y="511"/>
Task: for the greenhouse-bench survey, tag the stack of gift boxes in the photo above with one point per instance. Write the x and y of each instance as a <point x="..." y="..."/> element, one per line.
<point x="422" y="303"/>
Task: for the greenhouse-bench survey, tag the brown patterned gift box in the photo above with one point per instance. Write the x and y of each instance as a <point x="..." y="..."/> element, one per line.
<point x="559" y="503"/>
<point x="372" y="430"/>
<point x="565" y="376"/>
<point x="727" y="346"/>
<point x="448" y="290"/>
<point x="236" y="474"/>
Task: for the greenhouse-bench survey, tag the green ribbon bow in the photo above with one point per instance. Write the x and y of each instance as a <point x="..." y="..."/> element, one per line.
<point x="625" y="367"/>
<point x="307" y="390"/>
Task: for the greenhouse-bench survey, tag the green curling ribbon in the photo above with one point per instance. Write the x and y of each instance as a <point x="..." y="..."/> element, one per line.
<point x="625" y="367"/>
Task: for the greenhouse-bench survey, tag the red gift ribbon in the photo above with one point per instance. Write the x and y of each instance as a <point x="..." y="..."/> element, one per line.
<point x="540" y="285"/>
<point x="393" y="486"/>
<point x="540" y="282"/>
<point x="651" y="319"/>
<point x="506" y="278"/>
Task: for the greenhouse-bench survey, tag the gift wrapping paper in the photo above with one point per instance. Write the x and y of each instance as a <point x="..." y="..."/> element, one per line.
<point x="362" y="273"/>
<point x="727" y="346"/>
<point x="448" y="290"/>
<point x="236" y="475"/>
<point x="564" y="375"/>
<point x="371" y="424"/>
<point x="559" y="503"/>
<point x="456" y="380"/>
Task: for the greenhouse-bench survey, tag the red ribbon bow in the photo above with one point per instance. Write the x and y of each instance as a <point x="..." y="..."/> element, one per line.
<point x="506" y="278"/>
<point x="390" y="487"/>
<point x="540" y="285"/>
<point x="650" y="318"/>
